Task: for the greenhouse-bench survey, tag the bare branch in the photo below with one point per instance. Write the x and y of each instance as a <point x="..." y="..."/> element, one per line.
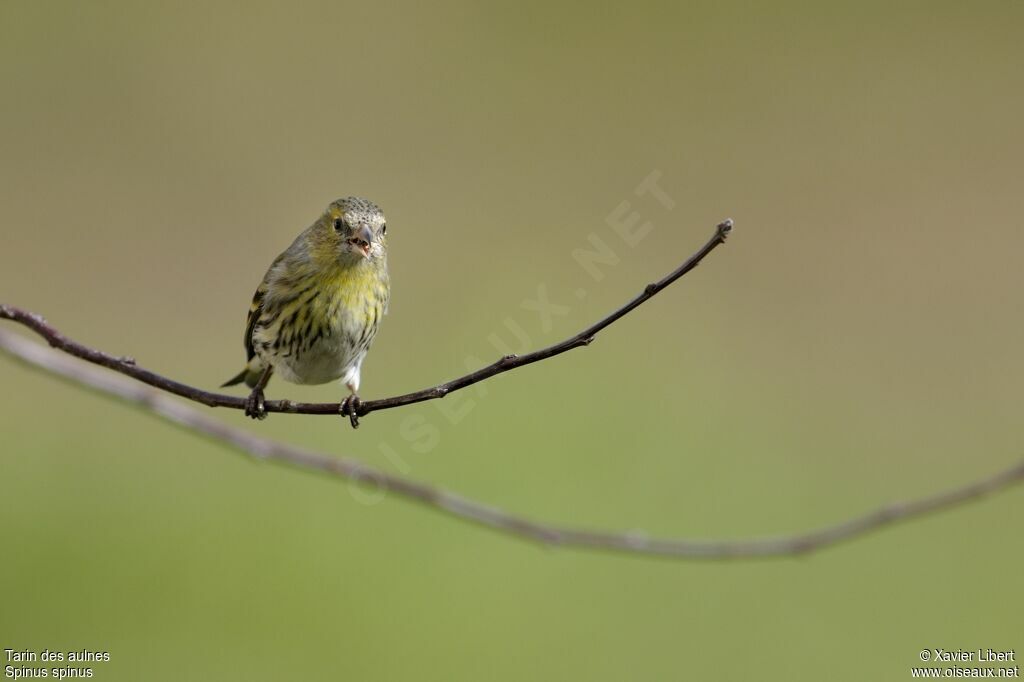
<point x="637" y="543"/>
<point x="127" y="366"/>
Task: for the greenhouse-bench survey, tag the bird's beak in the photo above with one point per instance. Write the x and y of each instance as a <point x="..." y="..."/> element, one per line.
<point x="362" y="240"/>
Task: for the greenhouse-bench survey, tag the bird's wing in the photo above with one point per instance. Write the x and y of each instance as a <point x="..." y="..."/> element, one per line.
<point x="257" y="305"/>
<point x="255" y="310"/>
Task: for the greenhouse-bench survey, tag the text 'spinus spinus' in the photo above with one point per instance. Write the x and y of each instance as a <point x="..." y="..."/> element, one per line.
<point x="318" y="308"/>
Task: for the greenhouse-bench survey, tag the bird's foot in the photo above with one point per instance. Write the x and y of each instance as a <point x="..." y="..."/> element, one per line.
<point x="254" y="407"/>
<point x="350" y="408"/>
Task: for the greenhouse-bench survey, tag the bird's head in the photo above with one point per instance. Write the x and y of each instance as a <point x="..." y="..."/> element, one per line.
<point x="354" y="229"/>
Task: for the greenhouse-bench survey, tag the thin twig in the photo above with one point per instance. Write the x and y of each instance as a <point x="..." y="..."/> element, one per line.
<point x="40" y="357"/>
<point x="128" y="366"/>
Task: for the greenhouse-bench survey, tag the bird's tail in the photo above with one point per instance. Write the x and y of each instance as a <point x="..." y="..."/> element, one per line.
<point x="247" y="375"/>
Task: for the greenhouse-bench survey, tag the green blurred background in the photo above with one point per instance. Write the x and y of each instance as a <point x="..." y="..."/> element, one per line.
<point x="857" y="341"/>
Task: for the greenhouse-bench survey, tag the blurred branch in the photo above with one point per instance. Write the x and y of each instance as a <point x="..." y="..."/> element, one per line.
<point x="126" y="365"/>
<point x="81" y="374"/>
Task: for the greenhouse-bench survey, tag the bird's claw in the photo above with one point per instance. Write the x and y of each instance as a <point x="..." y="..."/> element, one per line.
<point x="350" y="407"/>
<point x="254" y="407"/>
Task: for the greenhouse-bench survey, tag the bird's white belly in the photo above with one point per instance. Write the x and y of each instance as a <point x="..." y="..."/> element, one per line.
<point x="329" y="359"/>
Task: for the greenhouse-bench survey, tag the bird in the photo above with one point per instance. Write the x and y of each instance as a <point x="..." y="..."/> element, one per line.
<point x="319" y="306"/>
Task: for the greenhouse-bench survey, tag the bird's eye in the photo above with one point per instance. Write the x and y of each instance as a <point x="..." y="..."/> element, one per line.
<point x="384" y="228"/>
<point x="338" y="224"/>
